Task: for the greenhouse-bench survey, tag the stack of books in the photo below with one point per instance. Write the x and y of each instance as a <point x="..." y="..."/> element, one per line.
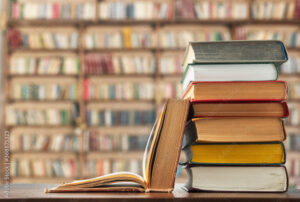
<point x="233" y="142"/>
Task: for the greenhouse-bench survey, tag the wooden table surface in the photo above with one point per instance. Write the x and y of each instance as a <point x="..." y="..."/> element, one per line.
<point x="35" y="192"/>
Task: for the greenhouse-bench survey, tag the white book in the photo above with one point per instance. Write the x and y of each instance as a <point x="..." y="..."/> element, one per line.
<point x="229" y="72"/>
<point x="237" y="178"/>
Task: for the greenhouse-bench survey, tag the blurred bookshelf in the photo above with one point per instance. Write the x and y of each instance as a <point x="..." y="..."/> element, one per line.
<point x="84" y="79"/>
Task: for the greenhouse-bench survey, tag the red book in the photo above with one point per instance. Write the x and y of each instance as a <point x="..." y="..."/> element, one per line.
<point x="297" y="10"/>
<point x="86" y="93"/>
<point x="240" y="109"/>
<point x="237" y="91"/>
<point x="55" y="11"/>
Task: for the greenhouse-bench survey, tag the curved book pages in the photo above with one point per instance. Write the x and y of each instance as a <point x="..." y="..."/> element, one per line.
<point x="159" y="163"/>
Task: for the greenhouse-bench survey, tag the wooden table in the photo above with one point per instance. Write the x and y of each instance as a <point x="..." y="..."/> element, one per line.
<point x="35" y="192"/>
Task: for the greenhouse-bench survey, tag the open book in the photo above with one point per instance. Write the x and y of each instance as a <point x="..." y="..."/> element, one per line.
<point x="159" y="163"/>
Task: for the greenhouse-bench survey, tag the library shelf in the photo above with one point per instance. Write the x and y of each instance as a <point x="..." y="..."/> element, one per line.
<point x="81" y="26"/>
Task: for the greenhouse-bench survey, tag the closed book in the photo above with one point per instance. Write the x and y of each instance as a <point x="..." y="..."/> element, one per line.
<point x="236" y="91"/>
<point x="237" y="178"/>
<point x="229" y="72"/>
<point x="240" y="109"/>
<point x="235" y="153"/>
<point x="235" y="52"/>
<point x="216" y="130"/>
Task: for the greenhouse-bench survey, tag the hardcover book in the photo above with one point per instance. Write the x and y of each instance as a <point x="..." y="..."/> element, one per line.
<point x="240" y="109"/>
<point x="237" y="178"/>
<point x="237" y="91"/>
<point x="254" y="129"/>
<point x="160" y="158"/>
<point x="261" y="51"/>
<point x="272" y="153"/>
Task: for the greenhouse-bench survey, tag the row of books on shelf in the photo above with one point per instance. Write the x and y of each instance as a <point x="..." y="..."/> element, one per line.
<point x="57" y="142"/>
<point x="134" y="63"/>
<point x="145" y="10"/>
<point x="108" y="117"/>
<point x="52" y="10"/>
<point x="113" y="63"/>
<point x="65" y="168"/>
<point x="293" y="143"/>
<point x="278" y="10"/>
<point x="43" y="167"/>
<point x="207" y="9"/>
<point x="293" y="169"/>
<point x="120" y="37"/>
<point x="63" y="114"/>
<point x="172" y="36"/>
<point x="44" y="91"/>
<point x="39" y="38"/>
<point x="289" y="35"/>
<point x="26" y="64"/>
<point x="54" y="142"/>
<point x="108" y="143"/>
<point x="138" y="10"/>
<point x="118" y="90"/>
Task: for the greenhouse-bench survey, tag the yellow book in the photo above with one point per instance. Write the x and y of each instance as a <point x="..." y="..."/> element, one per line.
<point x="127" y="37"/>
<point x="243" y="153"/>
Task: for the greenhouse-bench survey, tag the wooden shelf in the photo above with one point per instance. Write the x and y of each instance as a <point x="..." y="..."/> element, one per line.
<point x="121" y="76"/>
<point x="58" y="101"/>
<point x="74" y="22"/>
<point x="30" y="76"/>
<point x="37" y="50"/>
<point x="138" y="101"/>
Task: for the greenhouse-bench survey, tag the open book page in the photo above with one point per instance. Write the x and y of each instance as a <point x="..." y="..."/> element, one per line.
<point x="121" y="181"/>
<point x="150" y="149"/>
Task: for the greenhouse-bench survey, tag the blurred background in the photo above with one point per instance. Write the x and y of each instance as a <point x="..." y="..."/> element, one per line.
<point x="83" y="80"/>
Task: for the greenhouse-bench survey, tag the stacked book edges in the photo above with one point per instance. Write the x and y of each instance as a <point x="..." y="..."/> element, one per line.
<point x="234" y="138"/>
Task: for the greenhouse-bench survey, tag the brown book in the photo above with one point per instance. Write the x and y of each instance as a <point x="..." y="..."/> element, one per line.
<point x="240" y="109"/>
<point x="201" y="130"/>
<point x="237" y="91"/>
<point x="159" y="163"/>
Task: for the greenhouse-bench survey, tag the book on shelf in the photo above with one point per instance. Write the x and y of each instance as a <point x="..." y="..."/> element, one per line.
<point x="41" y="114"/>
<point x="44" y="38"/>
<point x="170" y="63"/>
<point x="175" y="36"/>
<point x="247" y="153"/>
<point x="240" y="109"/>
<point x="288" y="34"/>
<point x="41" y="167"/>
<point x="160" y="161"/>
<point x="119" y="37"/>
<point x="262" y="129"/>
<point x="119" y="63"/>
<point x="99" y="167"/>
<point x="52" y="10"/>
<point x="41" y="64"/>
<point x="114" y="142"/>
<point x="294" y="93"/>
<point x="211" y="10"/>
<point x="292" y="66"/>
<point x="113" y="117"/>
<point x="135" y="10"/>
<point x="52" y="143"/>
<point x="117" y="89"/>
<point x="237" y="179"/>
<point x="265" y="10"/>
<point x="43" y="89"/>
<point x="236" y="91"/>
